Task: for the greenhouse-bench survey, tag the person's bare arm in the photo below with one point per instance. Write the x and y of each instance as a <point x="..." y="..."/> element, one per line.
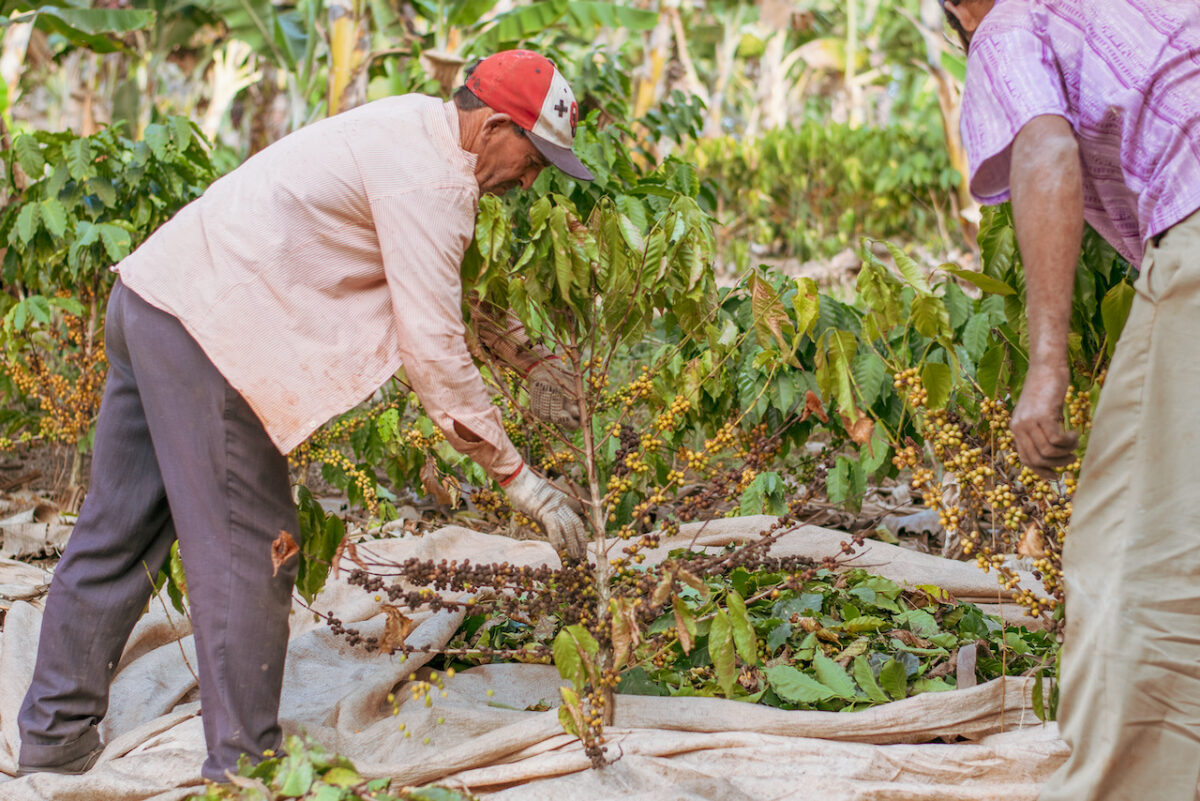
<point x="1047" y="196"/>
<point x="551" y="396"/>
<point x="501" y="333"/>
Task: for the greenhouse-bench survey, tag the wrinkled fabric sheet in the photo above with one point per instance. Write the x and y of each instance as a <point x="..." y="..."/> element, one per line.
<point x="988" y="742"/>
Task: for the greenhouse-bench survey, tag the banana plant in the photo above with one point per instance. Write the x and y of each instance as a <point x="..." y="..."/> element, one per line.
<point x="473" y="28"/>
<point x="97" y="29"/>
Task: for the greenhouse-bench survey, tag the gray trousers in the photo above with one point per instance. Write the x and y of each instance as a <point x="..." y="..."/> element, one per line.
<point x="178" y="454"/>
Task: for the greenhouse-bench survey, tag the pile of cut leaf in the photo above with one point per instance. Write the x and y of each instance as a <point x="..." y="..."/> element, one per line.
<point x="842" y="641"/>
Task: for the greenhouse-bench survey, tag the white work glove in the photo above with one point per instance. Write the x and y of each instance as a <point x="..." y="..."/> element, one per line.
<point x="536" y="498"/>
<point x="552" y="394"/>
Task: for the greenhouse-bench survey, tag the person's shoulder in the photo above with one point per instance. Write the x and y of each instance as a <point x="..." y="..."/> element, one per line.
<point x="1008" y="16"/>
<point x="404" y="140"/>
<point x="396" y="106"/>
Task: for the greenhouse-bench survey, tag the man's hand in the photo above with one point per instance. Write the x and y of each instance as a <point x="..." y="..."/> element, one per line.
<point x="552" y="395"/>
<point x="1042" y="442"/>
<point x="535" y="497"/>
<point x="1047" y="198"/>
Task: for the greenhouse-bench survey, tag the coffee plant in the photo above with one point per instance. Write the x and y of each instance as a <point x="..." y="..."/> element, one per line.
<point x="811" y="190"/>
<point x="694" y="421"/>
<point x="592" y="291"/>
<point x="81" y="205"/>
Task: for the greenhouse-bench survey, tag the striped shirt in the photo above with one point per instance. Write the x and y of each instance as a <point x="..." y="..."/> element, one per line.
<point x="318" y="267"/>
<point x="1125" y="74"/>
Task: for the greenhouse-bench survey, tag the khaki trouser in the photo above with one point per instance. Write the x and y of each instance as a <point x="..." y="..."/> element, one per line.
<point x="1130" y="703"/>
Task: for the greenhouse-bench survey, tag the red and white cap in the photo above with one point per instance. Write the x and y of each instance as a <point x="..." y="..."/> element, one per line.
<point x="529" y="88"/>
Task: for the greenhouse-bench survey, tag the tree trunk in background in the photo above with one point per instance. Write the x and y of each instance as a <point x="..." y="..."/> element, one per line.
<point x="349" y="42"/>
<point x="12" y="58"/>
<point x="650" y="74"/>
<point x="692" y="81"/>
<point x="949" y="94"/>
<point x="725" y="66"/>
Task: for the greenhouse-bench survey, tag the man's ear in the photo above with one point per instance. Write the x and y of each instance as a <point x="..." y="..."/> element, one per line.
<point x="495" y="123"/>
<point x="969" y="13"/>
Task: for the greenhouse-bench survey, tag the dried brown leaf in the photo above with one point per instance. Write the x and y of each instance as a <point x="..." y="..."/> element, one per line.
<point x="1033" y="542"/>
<point x="282" y="549"/>
<point x="768" y="311"/>
<point x="694" y="582"/>
<point x="432" y="482"/>
<point x="685" y="636"/>
<point x="856" y="648"/>
<point x="827" y="635"/>
<point x="622" y="640"/>
<point x="944" y="669"/>
<point x="396" y="630"/>
<point x="813" y="405"/>
<point x="663" y="591"/>
<point x="860" y="430"/>
<point x="635" y="630"/>
<point x="348" y="550"/>
<point x="352" y="552"/>
<point x="908" y="638"/>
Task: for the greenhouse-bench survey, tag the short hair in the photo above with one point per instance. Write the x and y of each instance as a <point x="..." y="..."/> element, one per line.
<point x="464" y="98"/>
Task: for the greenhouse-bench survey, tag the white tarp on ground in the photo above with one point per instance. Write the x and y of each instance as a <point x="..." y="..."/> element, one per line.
<point x="670" y="748"/>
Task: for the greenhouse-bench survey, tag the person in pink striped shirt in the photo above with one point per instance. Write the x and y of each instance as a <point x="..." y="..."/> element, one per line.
<point x="287" y="294"/>
<point x="1090" y="110"/>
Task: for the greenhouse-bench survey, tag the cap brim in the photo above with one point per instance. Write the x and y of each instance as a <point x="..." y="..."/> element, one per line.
<point x="562" y="157"/>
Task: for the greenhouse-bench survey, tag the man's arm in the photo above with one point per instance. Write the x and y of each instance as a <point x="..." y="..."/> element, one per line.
<point x="422" y="239"/>
<point x="502" y="335"/>
<point x="1047" y="197"/>
<point x="552" y="395"/>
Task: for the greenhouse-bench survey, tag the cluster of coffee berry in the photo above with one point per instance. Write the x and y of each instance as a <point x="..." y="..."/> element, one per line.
<point x="991" y="503"/>
<point x="908" y="383"/>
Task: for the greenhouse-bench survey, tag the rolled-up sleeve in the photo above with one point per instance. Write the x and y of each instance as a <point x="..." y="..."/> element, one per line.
<point x="423" y="236"/>
<point x="1012" y="77"/>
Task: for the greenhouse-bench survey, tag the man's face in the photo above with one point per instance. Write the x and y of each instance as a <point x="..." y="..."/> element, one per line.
<point x="965" y="15"/>
<point x="507" y="158"/>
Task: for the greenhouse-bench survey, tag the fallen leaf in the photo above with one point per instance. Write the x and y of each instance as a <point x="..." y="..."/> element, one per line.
<point x="827" y="635"/>
<point x="1033" y="542"/>
<point x="933" y="594"/>
<point x="282" y="549"/>
<point x="812" y="405"/>
<point x="856" y="648"/>
<point x="946" y="668"/>
<point x="908" y="638"/>
<point x="45" y="513"/>
<point x="396" y="630"/>
<point x="545" y="628"/>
